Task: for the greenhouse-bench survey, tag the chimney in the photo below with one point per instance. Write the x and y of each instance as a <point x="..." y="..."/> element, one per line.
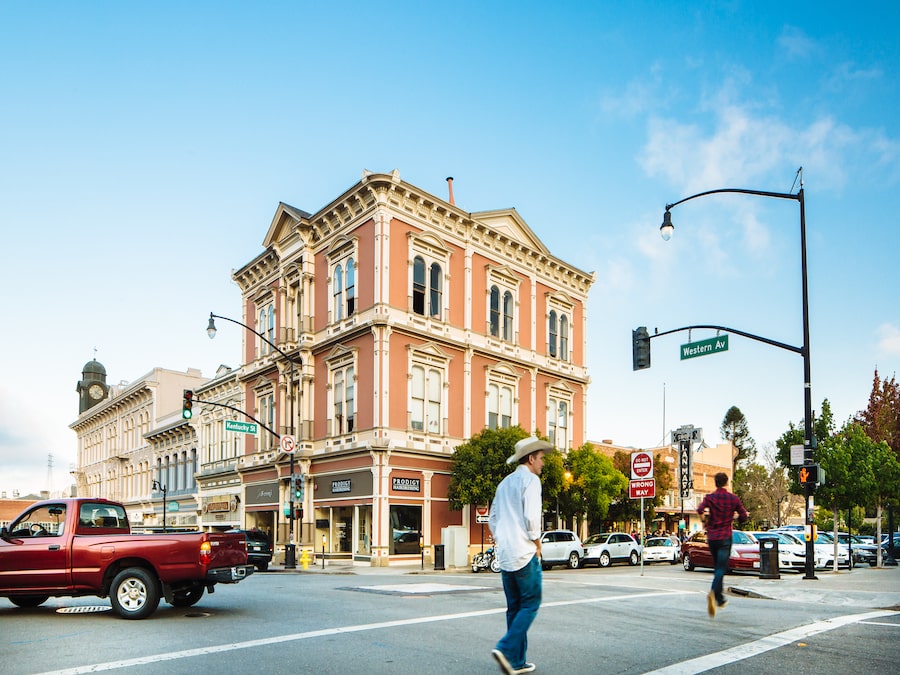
<point x="450" y="185"/>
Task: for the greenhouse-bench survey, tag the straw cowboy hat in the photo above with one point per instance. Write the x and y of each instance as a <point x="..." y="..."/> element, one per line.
<point x="526" y="446"/>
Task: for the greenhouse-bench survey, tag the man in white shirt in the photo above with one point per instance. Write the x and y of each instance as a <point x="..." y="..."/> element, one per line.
<point x="515" y="523"/>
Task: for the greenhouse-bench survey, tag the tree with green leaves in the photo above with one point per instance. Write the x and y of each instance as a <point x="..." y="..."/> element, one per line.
<point x="734" y="428"/>
<point x="479" y="465"/>
<point x="595" y="483"/>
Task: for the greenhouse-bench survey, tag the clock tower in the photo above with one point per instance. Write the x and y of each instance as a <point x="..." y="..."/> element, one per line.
<point x="92" y="387"/>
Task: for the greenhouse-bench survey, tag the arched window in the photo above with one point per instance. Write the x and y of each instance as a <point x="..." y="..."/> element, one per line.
<point x="495" y="311"/>
<point x="351" y="287"/>
<point x="338" y="290"/>
<point x="434" y="302"/>
<point x="418" y="294"/>
<point x="551" y="342"/>
<point x="508" y="316"/>
<point x="564" y="337"/>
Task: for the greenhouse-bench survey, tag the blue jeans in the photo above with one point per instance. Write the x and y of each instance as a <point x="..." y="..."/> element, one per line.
<point x="523" y="597"/>
<point x="720" y="550"/>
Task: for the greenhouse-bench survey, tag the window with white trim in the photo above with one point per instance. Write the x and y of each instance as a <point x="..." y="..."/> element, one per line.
<point x="559" y="321"/>
<point x="342" y="278"/>
<point x="265" y="405"/>
<point x="503" y="288"/>
<point x="558" y="420"/>
<point x="502" y="385"/>
<point x="429" y="261"/>
<point x="425" y="398"/>
<point x="344" y="400"/>
<point x="266" y="327"/>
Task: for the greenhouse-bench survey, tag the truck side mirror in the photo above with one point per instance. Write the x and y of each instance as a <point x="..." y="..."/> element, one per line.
<point x="4" y="533"/>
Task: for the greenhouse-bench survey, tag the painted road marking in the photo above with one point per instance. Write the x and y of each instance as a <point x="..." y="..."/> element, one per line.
<point x="250" y="644"/>
<point x="745" y="651"/>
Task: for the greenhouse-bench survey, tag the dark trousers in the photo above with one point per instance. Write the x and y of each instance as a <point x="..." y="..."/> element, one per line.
<point x="720" y="550"/>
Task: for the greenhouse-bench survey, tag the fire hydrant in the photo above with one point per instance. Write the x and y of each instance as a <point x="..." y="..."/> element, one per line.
<point x="304" y="559"/>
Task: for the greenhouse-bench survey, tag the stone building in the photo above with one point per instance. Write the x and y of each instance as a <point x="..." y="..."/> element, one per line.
<point x="134" y="447"/>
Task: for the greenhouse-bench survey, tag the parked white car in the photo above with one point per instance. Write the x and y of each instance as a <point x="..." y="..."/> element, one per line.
<point x="791" y="554"/>
<point x="609" y="547"/>
<point x="662" y="549"/>
<point x="561" y="547"/>
<point x="824" y="551"/>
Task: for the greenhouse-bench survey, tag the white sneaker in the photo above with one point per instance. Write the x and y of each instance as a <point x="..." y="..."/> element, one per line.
<point x="502" y="661"/>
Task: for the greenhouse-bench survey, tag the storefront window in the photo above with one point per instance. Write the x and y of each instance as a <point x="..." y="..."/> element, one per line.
<point x="406" y="522"/>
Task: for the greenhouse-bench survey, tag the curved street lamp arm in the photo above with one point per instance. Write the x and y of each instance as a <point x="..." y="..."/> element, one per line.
<point x="761" y="193"/>
<point x="759" y="338"/>
<point x="258" y="334"/>
<point x="246" y="414"/>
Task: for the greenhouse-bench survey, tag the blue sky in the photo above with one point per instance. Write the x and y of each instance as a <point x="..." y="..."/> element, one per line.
<point x="145" y="148"/>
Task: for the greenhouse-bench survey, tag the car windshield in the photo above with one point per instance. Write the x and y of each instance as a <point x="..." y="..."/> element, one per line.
<point x="660" y="542"/>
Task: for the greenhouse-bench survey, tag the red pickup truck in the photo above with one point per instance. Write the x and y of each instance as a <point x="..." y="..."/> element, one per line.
<point x="76" y="547"/>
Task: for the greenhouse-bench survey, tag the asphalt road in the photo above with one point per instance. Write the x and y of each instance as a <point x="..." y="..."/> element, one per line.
<point x="364" y="620"/>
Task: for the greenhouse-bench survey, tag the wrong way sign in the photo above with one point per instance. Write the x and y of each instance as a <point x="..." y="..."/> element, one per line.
<point x="640" y="489"/>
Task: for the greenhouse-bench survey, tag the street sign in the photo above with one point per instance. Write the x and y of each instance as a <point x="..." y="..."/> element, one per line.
<point x="796" y="455"/>
<point x="639" y="489"/>
<point x="704" y="347"/>
<point x="685" y="468"/>
<point x="241" y="427"/>
<point x="287" y="443"/>
<point x="641" y="465"/>
<point x="482" y="513"/>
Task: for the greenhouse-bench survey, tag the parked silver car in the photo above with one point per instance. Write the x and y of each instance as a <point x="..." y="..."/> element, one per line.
<point x="561" y="547"/>
<point x="609" y="547"/>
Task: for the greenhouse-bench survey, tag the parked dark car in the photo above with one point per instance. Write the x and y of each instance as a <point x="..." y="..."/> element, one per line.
<point x="259" y="550"/>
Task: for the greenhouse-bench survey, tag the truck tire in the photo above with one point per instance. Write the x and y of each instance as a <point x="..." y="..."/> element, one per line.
<point x="134" y="593"/>
<point x="28" y="600"/>
<point x="189" y="596"/>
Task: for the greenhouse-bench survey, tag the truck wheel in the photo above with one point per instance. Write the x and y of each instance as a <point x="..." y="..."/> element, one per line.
<point x="28" y="600"/>
<point x="262" y="566"/>
<point x="134" y="593"/>
<point x="188" y="597"/>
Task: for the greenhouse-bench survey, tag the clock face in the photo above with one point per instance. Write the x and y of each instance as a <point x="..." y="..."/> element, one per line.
<point x="96" y="392"/>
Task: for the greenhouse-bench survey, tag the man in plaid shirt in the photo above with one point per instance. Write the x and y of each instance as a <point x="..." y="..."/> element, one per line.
<point x="719" y="509"/>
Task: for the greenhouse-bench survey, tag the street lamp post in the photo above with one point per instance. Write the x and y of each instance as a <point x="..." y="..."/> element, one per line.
<point x="162" y="488"/>
<point x="809" y="441"/>
<point x="290" y="549"/>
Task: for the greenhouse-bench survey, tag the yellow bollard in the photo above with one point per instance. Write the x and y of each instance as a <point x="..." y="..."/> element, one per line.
<point x="304" y="559"/>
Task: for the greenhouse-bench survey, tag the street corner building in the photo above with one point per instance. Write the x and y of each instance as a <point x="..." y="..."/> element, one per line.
<point x="379" y="333"/>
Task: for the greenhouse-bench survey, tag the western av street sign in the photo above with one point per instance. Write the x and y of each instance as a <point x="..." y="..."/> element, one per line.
<point x="241" y="427"/>
<point x="704" y="347"/>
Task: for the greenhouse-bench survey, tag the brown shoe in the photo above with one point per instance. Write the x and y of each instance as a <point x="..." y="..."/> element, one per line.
<point x="711" y="604"/>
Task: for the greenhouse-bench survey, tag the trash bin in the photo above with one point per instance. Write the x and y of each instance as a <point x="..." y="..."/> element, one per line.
<point x="438" y="556"/>
<point x="768" y="559"/>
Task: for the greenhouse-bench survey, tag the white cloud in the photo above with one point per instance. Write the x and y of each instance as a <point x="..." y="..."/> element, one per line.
<point x="889" y="339"/>
<point x="796" y="43"/>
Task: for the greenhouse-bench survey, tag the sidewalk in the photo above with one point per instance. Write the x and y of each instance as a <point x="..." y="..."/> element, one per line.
<point x="871" y="587"/>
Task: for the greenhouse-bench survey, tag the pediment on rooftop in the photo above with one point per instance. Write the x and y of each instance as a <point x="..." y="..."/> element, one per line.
<point x="509" y="224"/>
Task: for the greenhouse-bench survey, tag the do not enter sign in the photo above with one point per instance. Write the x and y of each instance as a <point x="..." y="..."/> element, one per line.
<point x="641" y="465"/>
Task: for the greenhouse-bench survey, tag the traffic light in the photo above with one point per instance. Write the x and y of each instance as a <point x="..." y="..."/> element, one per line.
<point x="297" y="486"/>
<point x="187" y="405"/>
<point x="811" y="474"/>
<point x="640" y="348"/>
